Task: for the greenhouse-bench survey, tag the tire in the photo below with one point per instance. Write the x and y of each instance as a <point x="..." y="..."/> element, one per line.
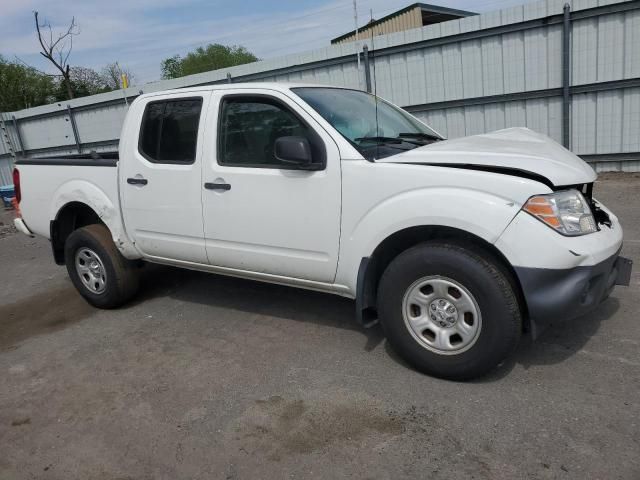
<point x="110" y="280"/>
<point x="415" y="296"/>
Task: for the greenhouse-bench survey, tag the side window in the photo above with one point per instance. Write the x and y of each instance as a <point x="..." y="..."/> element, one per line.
<point x="169" y="131"/>
<point x="249" y="127"/>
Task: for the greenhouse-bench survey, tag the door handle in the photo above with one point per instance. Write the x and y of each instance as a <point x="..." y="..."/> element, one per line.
<point x="137" y="181"/>
<point x="217" y="186"/>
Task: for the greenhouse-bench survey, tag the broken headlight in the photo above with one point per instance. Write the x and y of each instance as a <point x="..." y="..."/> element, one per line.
<point x="567" y="212"/>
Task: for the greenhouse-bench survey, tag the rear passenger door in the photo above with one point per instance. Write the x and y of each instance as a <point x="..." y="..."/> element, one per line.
<point x="161" y="177"/>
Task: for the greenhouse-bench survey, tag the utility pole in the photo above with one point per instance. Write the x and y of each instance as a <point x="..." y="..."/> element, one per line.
<point x="355" y="20"/>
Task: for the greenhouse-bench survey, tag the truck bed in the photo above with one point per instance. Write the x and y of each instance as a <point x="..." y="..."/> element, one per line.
<point x="48" y="183"/>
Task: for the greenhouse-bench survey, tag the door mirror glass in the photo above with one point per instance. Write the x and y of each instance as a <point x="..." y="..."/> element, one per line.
<point x="294" y="151"/>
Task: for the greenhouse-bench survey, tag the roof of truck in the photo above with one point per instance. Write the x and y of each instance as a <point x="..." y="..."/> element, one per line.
<point x="280" y="86"/>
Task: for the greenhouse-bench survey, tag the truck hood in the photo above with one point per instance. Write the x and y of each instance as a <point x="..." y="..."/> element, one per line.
<point x="513" y="151"/>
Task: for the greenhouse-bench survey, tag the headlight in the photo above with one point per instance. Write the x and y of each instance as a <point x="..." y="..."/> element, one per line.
<point x="567" y="212"/>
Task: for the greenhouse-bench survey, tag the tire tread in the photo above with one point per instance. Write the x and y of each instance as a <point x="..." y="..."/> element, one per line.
<point x="125" y="275"/>
<point x="433" y="363"/>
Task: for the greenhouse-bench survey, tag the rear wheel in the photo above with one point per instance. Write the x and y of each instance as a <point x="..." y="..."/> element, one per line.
<point x="449" y="311"/>
<point x="97" y="269"/>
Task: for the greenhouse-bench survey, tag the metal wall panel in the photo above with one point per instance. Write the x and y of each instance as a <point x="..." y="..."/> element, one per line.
<point x="512" y="62"/>
<point x="494" y="117"/>
<point x="416" y="78"/>
<point x="610" y="52"/>
<point x="106" y="126"/>
<point x="631" y="120"/>
<point x="632" y="44"/>
<point x="583" y="109"/>
<point x="6" y="171"/>
<point x="42" y="132"/>
<point x="455" y="64"/>
<point x="434" y="74"/>
<point x="542" y="115"/>
<point x="609" y="121"/>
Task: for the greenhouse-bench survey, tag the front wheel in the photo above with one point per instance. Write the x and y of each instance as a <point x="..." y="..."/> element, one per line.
<point x="97" y="269"/>
<point x="449" y="311"/>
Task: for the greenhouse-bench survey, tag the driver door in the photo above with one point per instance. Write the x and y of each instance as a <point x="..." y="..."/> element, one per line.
<point x="260" y="214"/>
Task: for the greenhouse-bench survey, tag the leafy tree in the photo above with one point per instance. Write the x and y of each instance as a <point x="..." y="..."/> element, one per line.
<point x="83" y="82"/>
<point x="23" y="87"/>
<point x="172" y="67"/>
<point x="203" y="59"/>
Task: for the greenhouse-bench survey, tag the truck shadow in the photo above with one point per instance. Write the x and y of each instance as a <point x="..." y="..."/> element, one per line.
<point x="554" y="345"/>
<point x="254" y="298"/>
<point x="558" y="342"/>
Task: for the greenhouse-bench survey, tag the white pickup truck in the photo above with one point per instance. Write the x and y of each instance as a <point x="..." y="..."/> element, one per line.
<point x="456" y="246"/>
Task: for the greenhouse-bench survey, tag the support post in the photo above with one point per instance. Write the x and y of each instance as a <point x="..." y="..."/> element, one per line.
<point x="6" y="139"/>
<point x="18" y="134"/>
<point x="566" y="76"/>
<point x="367" y="70"/>
<point x="229" y="78"/>
<point x="74" y="127"/>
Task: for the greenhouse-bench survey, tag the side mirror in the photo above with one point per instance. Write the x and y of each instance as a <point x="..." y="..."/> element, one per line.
<point x="295" y="151"/>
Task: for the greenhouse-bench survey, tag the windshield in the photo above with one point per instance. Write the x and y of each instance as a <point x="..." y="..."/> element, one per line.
<point x="353" y="114"/>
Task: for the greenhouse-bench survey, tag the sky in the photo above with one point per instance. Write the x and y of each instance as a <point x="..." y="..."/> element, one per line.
<point x="139" y="34"/>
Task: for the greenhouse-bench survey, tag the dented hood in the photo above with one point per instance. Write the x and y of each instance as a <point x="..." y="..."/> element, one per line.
<point x="513" y="151"/>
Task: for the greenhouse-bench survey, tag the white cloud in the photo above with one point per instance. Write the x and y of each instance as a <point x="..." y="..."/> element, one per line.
<point x="139" y="35"/>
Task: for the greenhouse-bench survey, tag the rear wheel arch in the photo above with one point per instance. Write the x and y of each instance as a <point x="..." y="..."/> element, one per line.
<point x="372" y="267"/>
<point x="69" y="218"/>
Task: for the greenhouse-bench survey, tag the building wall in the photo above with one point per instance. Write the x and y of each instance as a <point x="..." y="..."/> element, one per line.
<point x="467" y="76"/>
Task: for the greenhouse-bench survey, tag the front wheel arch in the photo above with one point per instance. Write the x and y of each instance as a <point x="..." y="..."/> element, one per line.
<point x="372" y="267"/>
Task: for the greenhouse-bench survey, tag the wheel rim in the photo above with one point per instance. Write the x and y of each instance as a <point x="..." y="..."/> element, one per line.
<point x="91" y="270"/>
<point x="442" y="315"/>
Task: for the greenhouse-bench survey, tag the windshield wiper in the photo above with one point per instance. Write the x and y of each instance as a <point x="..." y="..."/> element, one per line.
<point x="389" y="141"/>
<point x="379" y="140"/>
<point x="418" y="135"/>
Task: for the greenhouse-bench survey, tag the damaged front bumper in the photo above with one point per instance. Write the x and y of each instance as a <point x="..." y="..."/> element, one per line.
<point x="557" y="295"/>
<point x="562" y="277"/>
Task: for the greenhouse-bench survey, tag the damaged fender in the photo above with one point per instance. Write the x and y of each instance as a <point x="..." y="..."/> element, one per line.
<point x="85" y="192"/>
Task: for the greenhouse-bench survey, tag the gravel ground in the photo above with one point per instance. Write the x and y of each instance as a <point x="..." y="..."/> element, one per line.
<point x="211" y="377"/>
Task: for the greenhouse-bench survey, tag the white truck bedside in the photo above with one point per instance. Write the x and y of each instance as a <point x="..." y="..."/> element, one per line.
<point x="455" y="246"/>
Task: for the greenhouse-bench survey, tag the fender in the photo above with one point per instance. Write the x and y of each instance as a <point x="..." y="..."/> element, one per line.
<point x="482" y="214"/>
<point x="85" y="192"/>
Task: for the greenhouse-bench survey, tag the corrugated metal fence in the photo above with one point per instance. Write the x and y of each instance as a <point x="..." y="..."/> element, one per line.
<point x="570" y="73"/>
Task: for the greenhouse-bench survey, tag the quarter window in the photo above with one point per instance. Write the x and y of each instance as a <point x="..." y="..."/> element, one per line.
<point x="249" y="128"/>
<point x="169" y="132"/>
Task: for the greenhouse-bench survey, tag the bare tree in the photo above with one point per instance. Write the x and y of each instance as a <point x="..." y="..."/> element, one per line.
<point x="57" y="51"/>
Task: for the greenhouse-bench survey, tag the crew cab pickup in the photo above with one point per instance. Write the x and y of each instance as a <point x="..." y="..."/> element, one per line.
<point x="457" y="246"/>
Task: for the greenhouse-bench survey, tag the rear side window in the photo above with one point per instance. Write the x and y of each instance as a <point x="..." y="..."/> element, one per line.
<point x="169" y="131"/>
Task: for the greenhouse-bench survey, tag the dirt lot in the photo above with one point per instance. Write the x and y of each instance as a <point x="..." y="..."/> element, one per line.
<point x="210" y="377"/>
